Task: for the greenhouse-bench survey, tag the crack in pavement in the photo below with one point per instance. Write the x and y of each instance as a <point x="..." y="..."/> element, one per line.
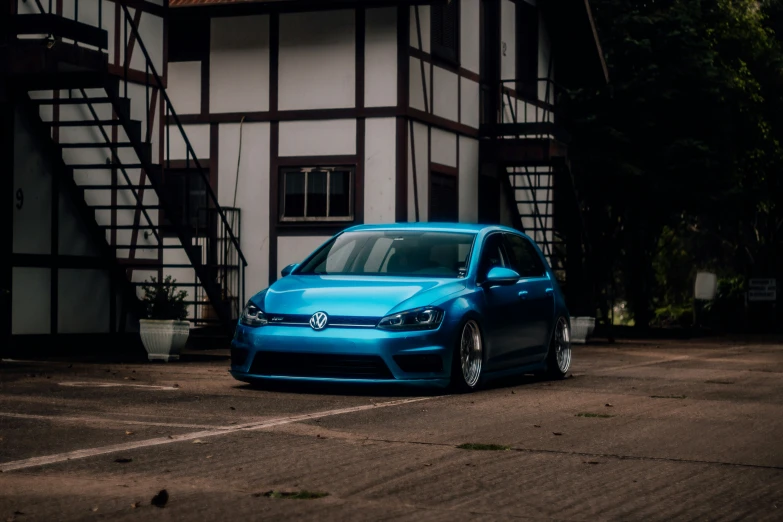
<point x="615" y="456"/>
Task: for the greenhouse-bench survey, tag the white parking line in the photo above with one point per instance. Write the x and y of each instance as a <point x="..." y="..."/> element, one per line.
<point x="224" y="430"/>
<point x="88" y="384"/>
<point x="100" y="420"/>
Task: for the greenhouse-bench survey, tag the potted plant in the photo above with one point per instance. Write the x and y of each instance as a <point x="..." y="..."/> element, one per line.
<point x="165" y="331"/>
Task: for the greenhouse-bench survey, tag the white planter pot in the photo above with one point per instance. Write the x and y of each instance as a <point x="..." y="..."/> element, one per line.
<point x="581" y="329"/>
<point x="163" y="340"/>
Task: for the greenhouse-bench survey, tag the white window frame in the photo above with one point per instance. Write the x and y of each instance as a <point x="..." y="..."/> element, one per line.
<point x="306" y="171"/>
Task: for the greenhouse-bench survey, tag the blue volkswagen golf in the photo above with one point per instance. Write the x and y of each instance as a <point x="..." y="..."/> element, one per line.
<point x="426" y="303"/>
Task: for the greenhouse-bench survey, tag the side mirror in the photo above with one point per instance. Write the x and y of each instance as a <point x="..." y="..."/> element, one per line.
<point x="287" y="270"/>
<point x="500" y="276"/>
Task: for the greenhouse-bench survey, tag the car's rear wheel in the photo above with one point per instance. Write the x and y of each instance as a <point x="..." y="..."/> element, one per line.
<point x="559" y="356"/>
<point x="468" y="358"/>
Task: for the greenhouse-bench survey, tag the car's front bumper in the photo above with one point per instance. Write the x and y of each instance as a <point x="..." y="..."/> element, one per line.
<point x="357" y="355"/>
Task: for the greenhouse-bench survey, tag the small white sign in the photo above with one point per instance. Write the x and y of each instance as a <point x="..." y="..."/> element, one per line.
<point x="706" y="286"/>
<point x="762" y="290"/>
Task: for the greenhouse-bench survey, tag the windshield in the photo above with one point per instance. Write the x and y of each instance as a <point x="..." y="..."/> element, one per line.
<point x="393" y="253"/>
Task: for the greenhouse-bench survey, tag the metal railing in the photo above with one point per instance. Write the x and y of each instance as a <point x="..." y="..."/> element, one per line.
<point x="222" y="261"/>
<point x="510" y="94"/>
<point x="221" y="229"/>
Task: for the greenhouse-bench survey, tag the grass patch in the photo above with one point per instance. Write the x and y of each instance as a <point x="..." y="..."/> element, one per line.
<point x="296" y="495"/>
<point x="483" y="447"/>
<point x="668" y="396"/>
<point x="594" y="415"/>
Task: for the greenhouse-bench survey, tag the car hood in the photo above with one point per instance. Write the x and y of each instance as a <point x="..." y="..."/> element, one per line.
<point x="352" y="296"/>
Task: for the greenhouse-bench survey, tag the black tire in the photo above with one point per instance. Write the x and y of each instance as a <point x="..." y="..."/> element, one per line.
<point x="461" y="383"/>
<point x="558" y="357"/>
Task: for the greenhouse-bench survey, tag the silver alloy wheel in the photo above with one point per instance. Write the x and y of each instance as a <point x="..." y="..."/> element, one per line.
<point x="470" y="351"/>
<point x="563" y="345"/>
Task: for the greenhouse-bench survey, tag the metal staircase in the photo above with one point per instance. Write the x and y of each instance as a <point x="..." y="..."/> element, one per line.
<point x="117" y="163"/>
<point x="530" y="151"/>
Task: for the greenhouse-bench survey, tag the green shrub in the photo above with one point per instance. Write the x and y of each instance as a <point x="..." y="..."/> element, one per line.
<point x="163" y="301"/>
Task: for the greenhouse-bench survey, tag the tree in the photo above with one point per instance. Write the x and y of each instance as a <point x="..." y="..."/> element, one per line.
<point x="685" y="139"/>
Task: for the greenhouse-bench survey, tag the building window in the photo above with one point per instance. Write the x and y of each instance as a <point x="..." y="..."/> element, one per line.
<point x="316" y="194"/>
<point x="527" y="50"/>
<point x="188" y="37"/>
<point x="444" y="205"/>
<point x="444" y="31"/>
<point x="489" y="200"/>
<point x="187" y="191"/>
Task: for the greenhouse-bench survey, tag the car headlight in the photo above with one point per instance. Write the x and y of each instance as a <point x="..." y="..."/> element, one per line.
<point x="426" y="318"/>
<point x="252" y="316"/>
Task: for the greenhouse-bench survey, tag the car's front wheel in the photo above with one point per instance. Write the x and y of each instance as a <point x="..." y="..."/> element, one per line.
<point x="468" y="358"/>
<point x="558" y="360"/>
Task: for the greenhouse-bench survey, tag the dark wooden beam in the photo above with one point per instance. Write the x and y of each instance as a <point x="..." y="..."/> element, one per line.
<point x="6" y="216"/>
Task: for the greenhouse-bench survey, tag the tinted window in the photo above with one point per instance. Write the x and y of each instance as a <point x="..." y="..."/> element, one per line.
<point x="524" y="258"/>
<point x="399" y="253"/>
<point x="444" y="31"/>
<point x="443" y="198"/>
<point x="492" y="255"/>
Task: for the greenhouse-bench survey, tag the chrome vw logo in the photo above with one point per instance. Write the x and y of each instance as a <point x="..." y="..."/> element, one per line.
<point x="318" y="321"/>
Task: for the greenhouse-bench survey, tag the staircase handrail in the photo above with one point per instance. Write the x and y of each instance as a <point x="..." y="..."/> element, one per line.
<point x="210" y="192"/>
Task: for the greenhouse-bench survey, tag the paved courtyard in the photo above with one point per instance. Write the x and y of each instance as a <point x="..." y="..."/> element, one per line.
<point x="644" y="430"/>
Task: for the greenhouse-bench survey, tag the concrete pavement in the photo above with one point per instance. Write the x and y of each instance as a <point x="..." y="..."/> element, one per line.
<point x="642" y="431"/>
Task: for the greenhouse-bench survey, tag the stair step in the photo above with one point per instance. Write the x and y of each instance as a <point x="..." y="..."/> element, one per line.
<point x="134" y="125"/>
<point x="146" y="151"/>
<point x="124" y="144"/>
<point x="106" y="166"/>
<point x="125" y="207"/>
<point x="61" y="27"/>
<point x="146" y="247"/>
<point x="118" y="187"/>
<point x="129" y="227"/>
<point x="86" y="123"/>
<point x="72" y="101"/>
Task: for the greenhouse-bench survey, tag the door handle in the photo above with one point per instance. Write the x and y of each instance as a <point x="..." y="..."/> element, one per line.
<point x="550" y="291"/>
<point x="523" y="294"/>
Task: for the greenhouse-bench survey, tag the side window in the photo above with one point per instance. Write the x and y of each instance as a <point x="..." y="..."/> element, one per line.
<point x="492" y="255"/>
<point x="524" y="258"/>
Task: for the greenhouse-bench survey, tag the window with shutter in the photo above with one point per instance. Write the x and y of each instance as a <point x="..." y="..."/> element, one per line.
<point x="527" y="50"/>
<point x="444" y="31"/>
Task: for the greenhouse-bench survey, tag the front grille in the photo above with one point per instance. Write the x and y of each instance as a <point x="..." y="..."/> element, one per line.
<point x="238" y="356"/>
<point x="419" y="363"/>
<point x="320" y="365"/>
<point x="333" y="321"/>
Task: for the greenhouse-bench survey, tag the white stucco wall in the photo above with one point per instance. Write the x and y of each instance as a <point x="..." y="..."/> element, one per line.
<point x="252" y="194"/>
<point x="468" y="179"/>
<point x="295" y="249"/>
<point x="444" y="147"/>
<point x="380" y="57"/>
<point x="317" y="65"/>
<point x="184" y="87"/>
<point x="420" y="139"/>
<point x="239" y="64"/>
<point x="317" y="138"/>
<point x="380" y="170"/>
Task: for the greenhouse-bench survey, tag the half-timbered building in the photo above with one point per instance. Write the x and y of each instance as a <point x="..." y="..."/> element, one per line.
<point x="218" y="141"/>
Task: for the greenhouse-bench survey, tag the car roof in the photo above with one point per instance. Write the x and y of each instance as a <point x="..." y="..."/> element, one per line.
<point x="435" y="227"/>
